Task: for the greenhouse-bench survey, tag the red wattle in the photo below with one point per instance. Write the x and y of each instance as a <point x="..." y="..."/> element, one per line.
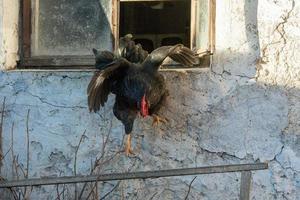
<point x="144" y="107"/>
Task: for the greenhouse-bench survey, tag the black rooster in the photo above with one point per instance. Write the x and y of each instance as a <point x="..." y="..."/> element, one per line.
<point x="139" y="87"/>
<point x="127" y="49"/>
<point x="131" y="51"/>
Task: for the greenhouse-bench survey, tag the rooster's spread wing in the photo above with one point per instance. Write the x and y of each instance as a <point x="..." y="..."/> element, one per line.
<point x="181" y="54"/>
<point x="178" y="53"/>
<point x="103" y="58"/>
<point x="101" y="84"/>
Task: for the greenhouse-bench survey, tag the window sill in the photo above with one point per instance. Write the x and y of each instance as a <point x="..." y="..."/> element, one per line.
<point x="193" y="69"/>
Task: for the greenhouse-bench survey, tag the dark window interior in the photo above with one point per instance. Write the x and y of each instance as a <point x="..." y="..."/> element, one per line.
<point x="155" y="24"/>
<point x="147" y="43"/>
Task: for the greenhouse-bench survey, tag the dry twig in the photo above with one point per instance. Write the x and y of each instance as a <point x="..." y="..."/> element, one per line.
<point x="75" y="162"/>
<point x="27" y="139"/>
<point x="189" y="190"/>
<point x="1" y="129"/>
<point x="98" y="162"/>
<point x="62" y="193"/>
<point x="27" y="191"/>
<point x="152" y="197"/>
<point x="17" y="192"/>
<point x="115" y="187"/>
<point x="57" y="192"/>
<point x="12" y="190"/>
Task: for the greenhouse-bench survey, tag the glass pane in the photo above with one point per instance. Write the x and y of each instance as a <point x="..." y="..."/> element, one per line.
<point x="202" y="27"/>
<point x="70" y="27"/>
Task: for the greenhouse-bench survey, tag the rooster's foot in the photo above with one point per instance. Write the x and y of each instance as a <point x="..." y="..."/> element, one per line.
<point x="157" y="120"/>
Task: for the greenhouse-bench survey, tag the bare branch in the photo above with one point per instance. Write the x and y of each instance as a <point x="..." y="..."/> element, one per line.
<point x="104" y="142"/>
<point x="75" y="162"/>
<point x="17" y="167"/>
<point x="189" y="190"/>
<point x="62" y="193"/>
<point x="153" y="195"/>
<point x="27" y="191"/>
<point x="18" y="193"/>
<point x="98" y="162"/>
<point x="90" y="193"/>
<point x="96" y="188"/>
<point x="57" y="192"/>
<point x="12" y="190"/>
<point x="1" y="129"/>
<point x="116" y="186"/>
<point x="76" y="152"/>
<point x="12" y="149"/>
<point x="6" y="153"/>
<point x="14" y="193"/>
<point x="27" y="139"/>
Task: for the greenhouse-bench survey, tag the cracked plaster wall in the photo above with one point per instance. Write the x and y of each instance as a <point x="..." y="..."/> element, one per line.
<point x="245" y="109"/>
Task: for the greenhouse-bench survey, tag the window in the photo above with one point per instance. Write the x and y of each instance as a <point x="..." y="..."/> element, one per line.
<point x="61" y="33"/>
<point x="153" y="24"/>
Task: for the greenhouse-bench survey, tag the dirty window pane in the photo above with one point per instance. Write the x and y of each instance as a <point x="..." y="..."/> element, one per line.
<point x="202" y="28"/>
<point x="70" y="27"/>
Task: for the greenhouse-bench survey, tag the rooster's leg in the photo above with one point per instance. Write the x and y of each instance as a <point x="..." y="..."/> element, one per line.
<point x="157" y="119"/>
<point x="128" y="150"/>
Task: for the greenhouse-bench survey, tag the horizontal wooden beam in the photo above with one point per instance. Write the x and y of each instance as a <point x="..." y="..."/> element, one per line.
<point x="134" y="175"/>
<point x="58" y="61"/>
<point x="88" y="62"/>
<point x="147" y="0"/>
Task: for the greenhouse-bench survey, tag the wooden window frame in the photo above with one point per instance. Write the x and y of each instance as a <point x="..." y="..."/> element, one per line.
<point x="87" y="62"/>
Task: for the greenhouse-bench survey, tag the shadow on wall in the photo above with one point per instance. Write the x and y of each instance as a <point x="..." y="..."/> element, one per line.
<point x="250" y="10"/>
<point x="228" y="108"/>
<point x="237" y="42"/>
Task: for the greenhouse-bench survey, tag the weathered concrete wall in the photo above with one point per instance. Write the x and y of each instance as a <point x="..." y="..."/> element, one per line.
<point x="1" y="33"/>
<point x="10" y="33"/>
<point x="245" y="109"/>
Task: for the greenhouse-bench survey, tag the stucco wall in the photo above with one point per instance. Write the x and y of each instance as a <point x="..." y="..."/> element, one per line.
<point x="9" y="33"/>
<point x="245" y="109"/>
